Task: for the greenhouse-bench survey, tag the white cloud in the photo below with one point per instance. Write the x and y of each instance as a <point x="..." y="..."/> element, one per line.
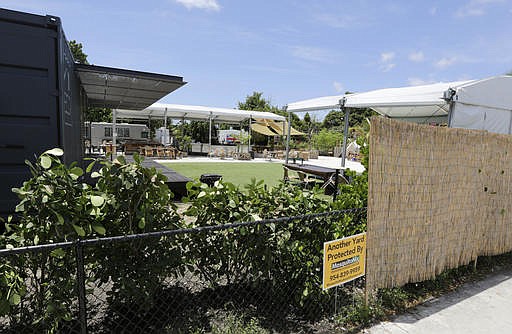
<point x="445" y="62"/>
<point x="338" y="87"/>
<point x="200" y="4"/>
<point x="387" y="67"/>
<point x="386" y="64"/>
<point x="475" y="8"/>
<point x="313" y="54"/>
<point x="417" y="56"/>
<point x="387" y="56"/>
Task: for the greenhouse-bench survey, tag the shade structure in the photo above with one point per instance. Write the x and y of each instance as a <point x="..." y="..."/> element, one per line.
<point x="273" y="128"/>
<point x="120" y="88"/>
<point x="484" y="104"/>
<point x="319" y="103"/>
<point x="191" y="112"/>
<point x="263" y="129"/>
<point x="416" y="103"/>
<point x="279" y="126"/>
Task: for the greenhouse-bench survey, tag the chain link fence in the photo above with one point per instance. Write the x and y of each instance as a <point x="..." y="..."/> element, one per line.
<point x="258" y="277"/>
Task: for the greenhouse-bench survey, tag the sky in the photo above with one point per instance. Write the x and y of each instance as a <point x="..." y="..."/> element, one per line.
<point x="289" y="50"/>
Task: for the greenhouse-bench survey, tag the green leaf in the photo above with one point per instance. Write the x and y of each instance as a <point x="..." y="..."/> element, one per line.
<point x="142" y="223"/>
<point x="20" y="207"/>
<point x="58" y="253"/>
<point x="55" y="152"/>
<point x="60" y="219"/>
<point x="95" y="175"/>
<point x="99" y="229"/>
<point x="36" y="240"/>
<point x="90" y="166"/>
<point x="121" y="160"/>
<point x="97" y="200"/>
<point x="79" y="230"/>
<point x="46" y="161"/>
<point x="77" y="171"/>
<point x="201" y="194"/>
<point x="15" y="299"/>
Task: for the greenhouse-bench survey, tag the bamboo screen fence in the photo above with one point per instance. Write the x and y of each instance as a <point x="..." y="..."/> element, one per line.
<point x="438" y="198"/>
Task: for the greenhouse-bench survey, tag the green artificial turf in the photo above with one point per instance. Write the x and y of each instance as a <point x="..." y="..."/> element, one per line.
<point x="238" y="173"/>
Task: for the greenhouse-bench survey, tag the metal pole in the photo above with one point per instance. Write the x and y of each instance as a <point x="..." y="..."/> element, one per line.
<point x="336" y="183"/>
<point x="165" y="118"/>
<point x="345" y="136"/>
<point x="114" y="133"/>
<point x="288" y="135"/>
<point x="210" y="135"/>
<point x="80" y="277"/>
<point x="249" y="143"/>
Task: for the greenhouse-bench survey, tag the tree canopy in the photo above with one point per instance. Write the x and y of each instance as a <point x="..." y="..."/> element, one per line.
<point x="78" y="53"/>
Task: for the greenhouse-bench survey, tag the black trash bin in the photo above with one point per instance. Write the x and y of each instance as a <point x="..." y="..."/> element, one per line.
<point x="210" y="179"/>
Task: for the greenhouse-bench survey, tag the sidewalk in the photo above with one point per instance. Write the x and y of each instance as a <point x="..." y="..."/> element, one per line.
<point x="478" y="307"/>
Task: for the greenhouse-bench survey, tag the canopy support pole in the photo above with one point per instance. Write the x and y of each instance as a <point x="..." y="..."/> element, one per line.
<point x="165" y="118"/>
<point x="114" y="133"/>
<point x="210" y="135"/>
<point x="249" y="142"/>
<point x="345" y="134"/>
<point x="288" y="135"/>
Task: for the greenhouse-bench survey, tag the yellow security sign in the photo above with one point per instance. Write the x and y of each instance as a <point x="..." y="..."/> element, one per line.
<point x="344" y="260"/>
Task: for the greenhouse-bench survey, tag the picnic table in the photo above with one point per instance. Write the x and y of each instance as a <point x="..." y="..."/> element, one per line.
<point x="330" y="177"/>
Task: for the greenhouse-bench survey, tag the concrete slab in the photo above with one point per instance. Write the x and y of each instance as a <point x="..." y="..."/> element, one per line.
<point x="479" y="307"/>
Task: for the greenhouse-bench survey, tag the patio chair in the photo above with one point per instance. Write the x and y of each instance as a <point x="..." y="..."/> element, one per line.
<point x="170" y="152"/>
<point x="160" y="152"/>
<point x="267" y="155"/>
<point x="148" y="151"/>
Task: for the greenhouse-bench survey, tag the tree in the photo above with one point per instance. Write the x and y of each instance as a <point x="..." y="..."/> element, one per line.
<point x="334" y="120"/>
<point x="78" y="53"/>
<point x="255" y="102"/>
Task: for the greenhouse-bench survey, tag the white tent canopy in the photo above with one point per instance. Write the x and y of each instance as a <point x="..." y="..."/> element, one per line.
<point x="319" y="103"/>
<point x="188" y="112"/>
<point x="177" y="111"/>
<point x="475" y="104"/>
<point x="403" y="102"/>
<point x="406" y="102"/>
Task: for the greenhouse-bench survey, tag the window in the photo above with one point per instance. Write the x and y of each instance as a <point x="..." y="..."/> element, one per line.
<point x="144" y="134"/>
<point x="123" y="132"/>
<point x="108" y="132"/>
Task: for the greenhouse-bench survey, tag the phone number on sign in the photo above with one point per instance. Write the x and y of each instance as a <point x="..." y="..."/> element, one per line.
<point x="345" y="273"/>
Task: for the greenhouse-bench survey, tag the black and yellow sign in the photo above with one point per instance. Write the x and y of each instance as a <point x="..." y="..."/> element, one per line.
<point x="344" y="260"/>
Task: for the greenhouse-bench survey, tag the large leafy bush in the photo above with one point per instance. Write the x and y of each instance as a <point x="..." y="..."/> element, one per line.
<point x="57" y="205"/>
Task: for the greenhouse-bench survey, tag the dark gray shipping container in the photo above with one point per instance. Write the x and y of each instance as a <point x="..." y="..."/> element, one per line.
<point x="40" y="97"/>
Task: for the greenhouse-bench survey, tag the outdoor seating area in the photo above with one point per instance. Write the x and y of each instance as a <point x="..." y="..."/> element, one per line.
<point x="160" y="152"/>
<point x="294" y="155"/>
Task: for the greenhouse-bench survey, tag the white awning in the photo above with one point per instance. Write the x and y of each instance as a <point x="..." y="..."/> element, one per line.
<point x="319" y="103"/>
<point x="405" y="102"/>
<point x="189" y="112"/>
<point x="415" y="102"/>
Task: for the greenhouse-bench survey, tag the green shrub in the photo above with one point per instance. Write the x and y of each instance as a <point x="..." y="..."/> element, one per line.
<point x="55" y="205"/>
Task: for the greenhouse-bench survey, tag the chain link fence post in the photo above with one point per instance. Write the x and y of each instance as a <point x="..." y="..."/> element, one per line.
<point x="80" y="275"/>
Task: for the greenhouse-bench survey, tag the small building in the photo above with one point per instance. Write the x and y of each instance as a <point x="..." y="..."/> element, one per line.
<point x="97" y="133"/>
